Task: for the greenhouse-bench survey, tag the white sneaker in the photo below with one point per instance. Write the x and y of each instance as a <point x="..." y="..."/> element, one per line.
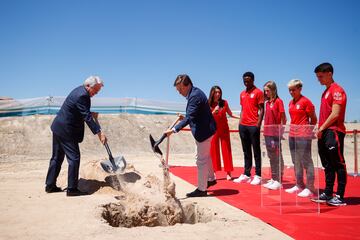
<point x="293" y="189"/>
<point x="274" y="186"/>
<point x="305" y="193"/>
<point x="256" y="180"/>
<point x="228" y="177"/>
<point x="242" y="178"/>
<point x="269" y="182"/>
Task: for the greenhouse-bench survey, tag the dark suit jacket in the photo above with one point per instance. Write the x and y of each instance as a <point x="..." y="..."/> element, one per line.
<point x="198" y="115"/>
<point x="69" y="122"/>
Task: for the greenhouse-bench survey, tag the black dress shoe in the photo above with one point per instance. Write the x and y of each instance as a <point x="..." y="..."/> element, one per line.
<point x="197" y="193"/>
<point x="52" y="189"/>
<point x="75" y="192"/>
<point x="211" y="183"/>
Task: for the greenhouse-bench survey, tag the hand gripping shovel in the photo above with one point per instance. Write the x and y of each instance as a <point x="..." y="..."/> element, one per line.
<point x="155" y="144"/>
<point x="113" y="165"/>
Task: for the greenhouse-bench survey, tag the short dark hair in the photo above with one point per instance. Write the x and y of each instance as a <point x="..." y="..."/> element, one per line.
<point x="249" y="74"/>
<point x="324" y="67"/>
<point x="184" y="79"/>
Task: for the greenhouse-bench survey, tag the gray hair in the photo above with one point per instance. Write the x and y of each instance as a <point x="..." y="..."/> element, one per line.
<point x="295" y="83"/>
<point x="93" y="80"/>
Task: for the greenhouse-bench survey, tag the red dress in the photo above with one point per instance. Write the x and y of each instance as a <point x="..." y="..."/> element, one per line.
<point x="221" y="137"/>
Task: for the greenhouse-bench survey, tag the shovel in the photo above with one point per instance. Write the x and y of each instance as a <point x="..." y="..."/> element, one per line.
<point x="155" y="144"/>
<point x="113" y="165"/>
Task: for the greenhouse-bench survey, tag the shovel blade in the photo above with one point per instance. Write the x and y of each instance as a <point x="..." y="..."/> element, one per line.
<point x="154" y="145"/>
<point x="106" y="166"/>
<point x="118" y="165"/>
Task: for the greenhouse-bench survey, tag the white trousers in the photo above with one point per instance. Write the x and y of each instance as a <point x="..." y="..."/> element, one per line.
<point x="204" y="163"/>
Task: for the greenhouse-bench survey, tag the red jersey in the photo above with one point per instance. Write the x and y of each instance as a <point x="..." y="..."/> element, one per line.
<point x="221" y="118"/>
<point x="335" y="94"/>
<point x="250" y="101"/>
<point x="272" y="121"/>
<point x="299" y="113"/>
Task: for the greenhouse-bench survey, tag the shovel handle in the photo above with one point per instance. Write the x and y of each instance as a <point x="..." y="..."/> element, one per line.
<point x="161" y="139"/>
<point x="164" y="135"/>
<point x="173" y="124"/>
<point x="109" y="152"/>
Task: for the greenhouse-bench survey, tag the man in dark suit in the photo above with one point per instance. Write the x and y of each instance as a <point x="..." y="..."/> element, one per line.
<point x="203" y="126"/>
<point x="68" y="132"/>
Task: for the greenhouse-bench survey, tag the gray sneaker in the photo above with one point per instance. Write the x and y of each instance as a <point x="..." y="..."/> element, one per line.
<point x="336" y="201"/>
<point x="323" y="198"/>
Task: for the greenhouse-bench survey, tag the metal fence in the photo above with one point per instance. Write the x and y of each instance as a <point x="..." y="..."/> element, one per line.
<point x="51" y="105"/>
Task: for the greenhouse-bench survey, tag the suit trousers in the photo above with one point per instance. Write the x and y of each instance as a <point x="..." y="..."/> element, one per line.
<point x="61" y="148"/>
<point x="204" y="163"/>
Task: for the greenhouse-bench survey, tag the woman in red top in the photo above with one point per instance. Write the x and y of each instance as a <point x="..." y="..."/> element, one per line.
<point x="303" y="120"/>
<point x="274" y="119"/>
<point x="220" y="108"/>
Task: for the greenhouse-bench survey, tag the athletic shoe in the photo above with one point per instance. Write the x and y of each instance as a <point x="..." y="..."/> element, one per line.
<point x="336" y="201"/>
<point x="294" y="189"/>
<point x="242" y="178"/>
<point x="322" y="198"/>
<point x="275" y="186"/>
<point x="305" y="193"/>
<point x="256" y="180"/>
<point x="269" y="182"/>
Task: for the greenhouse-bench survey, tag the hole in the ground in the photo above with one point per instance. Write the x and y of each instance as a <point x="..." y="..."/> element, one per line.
<point x="160" y="214"/>
<point x="149" y="201"/>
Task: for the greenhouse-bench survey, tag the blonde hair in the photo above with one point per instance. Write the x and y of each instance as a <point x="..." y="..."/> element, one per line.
<point x="295" y="83"/>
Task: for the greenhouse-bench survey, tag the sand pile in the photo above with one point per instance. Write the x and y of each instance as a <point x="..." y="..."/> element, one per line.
<point x="141" y="200"/>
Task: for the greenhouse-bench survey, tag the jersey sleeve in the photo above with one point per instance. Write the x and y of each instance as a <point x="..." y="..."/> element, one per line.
<point x="260" y="97"/>
<point x="339" y="96"/>
<point x="309" y="107"/>
<point x="281" y="106"/>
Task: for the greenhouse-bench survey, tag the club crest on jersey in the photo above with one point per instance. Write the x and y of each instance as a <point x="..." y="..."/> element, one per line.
<point x="252" y="95"/>
<point x="337" y="96"/>
<point x="326" y="95"/>
<point x="297" y="106"/>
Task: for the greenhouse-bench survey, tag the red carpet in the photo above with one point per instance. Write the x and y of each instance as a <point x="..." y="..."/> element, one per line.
<point x="300" y="218"/>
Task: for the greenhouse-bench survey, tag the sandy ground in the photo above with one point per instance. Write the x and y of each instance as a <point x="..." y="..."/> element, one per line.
<point x="27" y="212"/>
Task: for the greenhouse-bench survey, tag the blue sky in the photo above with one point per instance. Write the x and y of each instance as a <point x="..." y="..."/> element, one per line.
<point x="139" y="47"/>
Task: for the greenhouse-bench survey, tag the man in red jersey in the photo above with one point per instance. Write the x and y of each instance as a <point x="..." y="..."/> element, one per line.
<point x="331" y="135"/>
<point x="252" y="112"/>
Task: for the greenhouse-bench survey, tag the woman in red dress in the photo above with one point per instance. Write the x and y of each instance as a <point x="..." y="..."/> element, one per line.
<point x="220" y="108"/>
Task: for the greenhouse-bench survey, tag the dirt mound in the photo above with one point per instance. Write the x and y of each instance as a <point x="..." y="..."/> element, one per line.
<point x="142" y="200"/>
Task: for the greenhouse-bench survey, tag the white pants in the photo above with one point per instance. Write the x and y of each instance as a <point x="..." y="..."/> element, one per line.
<point x="204" y="163"/>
